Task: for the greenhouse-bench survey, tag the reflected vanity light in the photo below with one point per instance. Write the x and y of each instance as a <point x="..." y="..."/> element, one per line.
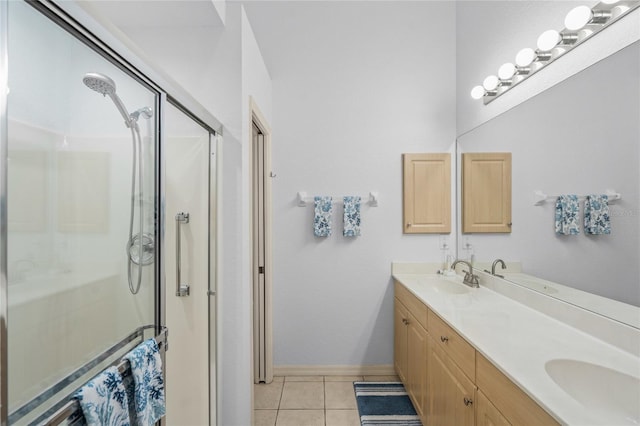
<point x="477" y="92"/>
<point x="490" y="83"/>
<point x="581" y="23"/>
<point x="525" y="57"/>
<point x="506" y="73"/>
<point x="552" y="38"/>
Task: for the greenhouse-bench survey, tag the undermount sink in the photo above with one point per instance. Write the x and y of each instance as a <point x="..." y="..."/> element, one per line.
<point x="614" y="394"/>
<point x="448" y="286"/>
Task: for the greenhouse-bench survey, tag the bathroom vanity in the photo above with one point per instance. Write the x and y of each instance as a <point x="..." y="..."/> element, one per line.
<point x="501" y="355"/>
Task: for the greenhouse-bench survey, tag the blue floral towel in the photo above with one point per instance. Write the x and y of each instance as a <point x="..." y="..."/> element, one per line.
<point x="322" y="216"/>
<point x="146" y="369"/>
<point x="567" y="209"/>
<point x="351" y="216"/>
<point x="104" y="400"/>
<point x="596" y="215"/>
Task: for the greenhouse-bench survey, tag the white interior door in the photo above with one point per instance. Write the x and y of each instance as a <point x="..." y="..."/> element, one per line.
<point x="187" y="316"/>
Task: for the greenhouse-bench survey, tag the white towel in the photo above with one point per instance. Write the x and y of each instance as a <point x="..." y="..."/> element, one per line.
<point x="104" y="400"/>
<point x="146" y="369"/>
<point x="322" y="216"/>
<point x="351" y="216"/>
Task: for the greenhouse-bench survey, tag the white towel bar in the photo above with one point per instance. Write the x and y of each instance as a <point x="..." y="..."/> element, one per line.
<point x="304" y="200"/>
<point x="541" y="197"/>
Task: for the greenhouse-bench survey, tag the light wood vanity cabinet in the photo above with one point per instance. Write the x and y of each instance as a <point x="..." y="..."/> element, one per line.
<point x="400" y="333"/>
<point x="460" y="351"/>
<point x="410" y="347"/>
<point x="517" y="407"/>
<point x="452" y="392"/>
<point x="487" y="414"/>
<point x="417" y="342"/>
<point x="449" y="382"/>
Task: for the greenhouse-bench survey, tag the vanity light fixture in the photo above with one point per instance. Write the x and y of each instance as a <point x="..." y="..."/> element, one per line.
<point x="477" y="92"/>
<point x="506" y="71"/>
<point x="490" y="83"/>
<point x="579" y="17"/>
<point x="525" y="57"/>
<point x="553" y="44"/>
<point x="548" y="40"/>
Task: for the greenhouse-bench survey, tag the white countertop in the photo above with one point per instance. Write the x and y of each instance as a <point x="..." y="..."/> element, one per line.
<point x="519" y="340"/>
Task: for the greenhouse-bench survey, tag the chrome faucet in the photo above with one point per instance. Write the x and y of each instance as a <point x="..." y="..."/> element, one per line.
<point x="493" y="267"/>
<point x="469" y="279"/>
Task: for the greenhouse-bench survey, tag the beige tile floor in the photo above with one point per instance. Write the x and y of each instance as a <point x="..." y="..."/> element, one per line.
<point x="309" y="401"/>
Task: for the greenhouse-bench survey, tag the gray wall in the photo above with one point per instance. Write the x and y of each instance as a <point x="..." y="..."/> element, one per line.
<point x="355" y="85"/>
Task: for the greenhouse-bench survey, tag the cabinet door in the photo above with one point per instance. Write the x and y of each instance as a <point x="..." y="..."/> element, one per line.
<point x="505" y="395"/>
<point x="487" y="414"/>
<point x="427" y="193"/>
<point x="400" y="339"/>
<point x="417" y="342"/>
<point x="451" y="393"/>
<point x="486" y="192"/>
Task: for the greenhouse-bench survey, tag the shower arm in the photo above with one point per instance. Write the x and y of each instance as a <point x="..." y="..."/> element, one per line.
<point x="128" y="119"/>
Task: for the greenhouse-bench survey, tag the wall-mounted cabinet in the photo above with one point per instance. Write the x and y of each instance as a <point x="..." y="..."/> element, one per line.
<point x="427" y="193"/>
<point x="486" y="192"/>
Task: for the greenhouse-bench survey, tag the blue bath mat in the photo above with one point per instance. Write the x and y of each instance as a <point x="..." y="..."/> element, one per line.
<point x="385" y="404"/>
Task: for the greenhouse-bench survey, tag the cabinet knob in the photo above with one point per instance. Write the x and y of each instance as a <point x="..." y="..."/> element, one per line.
<point x="408" y="225"/>
<point x="468" y="401"/>
<point x="444" y="339"/>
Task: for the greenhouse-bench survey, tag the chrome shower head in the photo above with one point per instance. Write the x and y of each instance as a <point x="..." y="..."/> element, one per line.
<point x="104" y="85"/>
<point x="99" y="83"/>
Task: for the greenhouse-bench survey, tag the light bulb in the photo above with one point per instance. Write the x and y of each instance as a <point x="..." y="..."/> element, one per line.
<point x="578" y="17"/>
<point x="525" y="57"/>
<point x="490" y="83"/>
<point x="506" y="71"/>
<point x="477" y="92"/>
<point x="548" y="40"/>
<point x="609" y="1"/>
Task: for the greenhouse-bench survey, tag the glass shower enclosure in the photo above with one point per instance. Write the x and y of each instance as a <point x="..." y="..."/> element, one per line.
<point x="81" y="210"/>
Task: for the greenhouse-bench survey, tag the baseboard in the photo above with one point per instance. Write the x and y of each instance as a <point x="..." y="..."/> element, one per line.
<point x="334" y="370"/>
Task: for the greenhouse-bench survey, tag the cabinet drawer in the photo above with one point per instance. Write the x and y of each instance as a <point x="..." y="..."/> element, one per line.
<point x="412" y="303"/>
<point x="516" y="406"/>
<point x="453" y="344"/>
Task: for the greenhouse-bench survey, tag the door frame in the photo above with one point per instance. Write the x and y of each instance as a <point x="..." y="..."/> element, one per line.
<point x="257" y="117"/>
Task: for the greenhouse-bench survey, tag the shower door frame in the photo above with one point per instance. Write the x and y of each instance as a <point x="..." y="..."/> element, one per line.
<point x="4" y="143"/>
<point x="100" y="41"/>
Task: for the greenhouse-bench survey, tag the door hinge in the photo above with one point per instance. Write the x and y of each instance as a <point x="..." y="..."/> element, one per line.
<point x="261" y="269"/>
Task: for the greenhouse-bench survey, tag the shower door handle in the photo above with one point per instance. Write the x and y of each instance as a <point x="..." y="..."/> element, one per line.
<point x="181" y="289"/>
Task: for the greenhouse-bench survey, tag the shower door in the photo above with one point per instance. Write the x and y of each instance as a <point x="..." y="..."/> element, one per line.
<point x="70" y="193"/>
<point x="189" y="264"/>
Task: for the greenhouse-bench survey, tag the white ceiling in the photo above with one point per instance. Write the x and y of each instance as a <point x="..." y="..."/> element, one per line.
<point x="155" y="13"/>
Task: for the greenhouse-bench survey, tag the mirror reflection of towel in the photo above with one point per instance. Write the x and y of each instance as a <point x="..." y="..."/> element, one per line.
<point x="322" y="216"/>
<point x="596" y="215"/>
<point x="567" y="210"/>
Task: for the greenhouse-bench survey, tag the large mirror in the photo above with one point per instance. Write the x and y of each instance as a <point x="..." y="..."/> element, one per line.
<point x="581" y="137"/>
